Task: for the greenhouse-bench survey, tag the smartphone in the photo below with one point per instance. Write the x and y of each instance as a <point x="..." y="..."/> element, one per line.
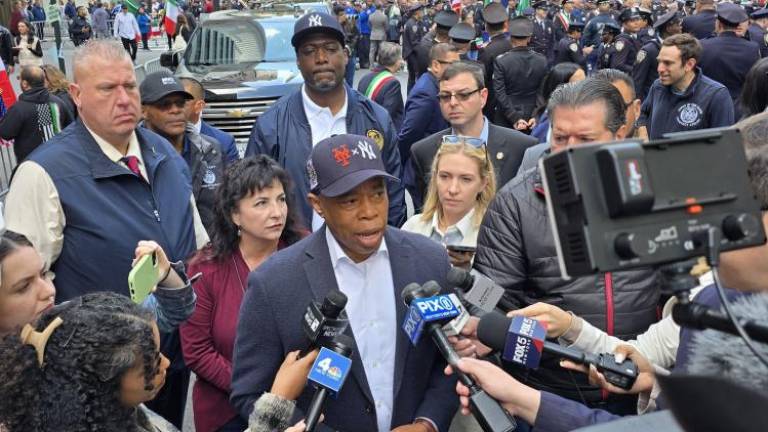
<point x="459" y="248"/>
<point x="143" y="278"/>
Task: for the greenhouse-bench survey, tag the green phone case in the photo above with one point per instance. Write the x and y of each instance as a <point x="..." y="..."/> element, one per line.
<point x="143" y="278"/>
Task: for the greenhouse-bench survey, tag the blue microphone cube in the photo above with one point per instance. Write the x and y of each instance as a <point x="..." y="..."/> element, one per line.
<point x="425" y="310"/>
<point x="330" y="370"/>
<point x="525" y="342"/>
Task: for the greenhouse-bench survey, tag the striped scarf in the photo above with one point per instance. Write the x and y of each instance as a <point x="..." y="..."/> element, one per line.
<point x="48" y="120"/>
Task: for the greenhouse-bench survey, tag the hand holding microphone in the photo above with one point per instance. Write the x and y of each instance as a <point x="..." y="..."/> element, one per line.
<point x="292" y="376"/>
<point x="644" y="383"/>
<point x="555" y="320"/>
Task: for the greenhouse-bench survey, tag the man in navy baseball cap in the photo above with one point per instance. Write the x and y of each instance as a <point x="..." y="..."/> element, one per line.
<point x="313" y="23"/>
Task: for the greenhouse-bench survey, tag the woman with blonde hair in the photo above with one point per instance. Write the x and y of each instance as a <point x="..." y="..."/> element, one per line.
<point x="58" y="85"/>
<point x="461" y="186"/>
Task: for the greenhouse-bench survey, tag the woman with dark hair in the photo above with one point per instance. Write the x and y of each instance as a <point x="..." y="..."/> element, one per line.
<point x="754" y="93"/>
<point x="28" y="50"/>
<point x="560" y="74"/>
<point x="254" y="217"/>
<point x="85" y="365"/>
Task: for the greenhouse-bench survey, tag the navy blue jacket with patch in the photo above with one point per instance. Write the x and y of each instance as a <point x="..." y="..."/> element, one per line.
<point x="108" y="209"/>
<point x="283" y="133"/>
<point x="704" y="104"/>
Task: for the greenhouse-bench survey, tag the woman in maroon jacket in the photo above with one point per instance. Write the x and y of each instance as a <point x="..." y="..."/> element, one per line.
<point x="254" y="217"/>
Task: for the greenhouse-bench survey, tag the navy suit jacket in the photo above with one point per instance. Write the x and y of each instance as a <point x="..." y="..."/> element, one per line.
<point x="270" y="327"/>
<point x="227" y="141"/>
<point x="422" y="114"/>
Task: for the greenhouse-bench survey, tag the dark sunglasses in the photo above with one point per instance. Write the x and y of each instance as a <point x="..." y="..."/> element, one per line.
<point x="445" y="97"/>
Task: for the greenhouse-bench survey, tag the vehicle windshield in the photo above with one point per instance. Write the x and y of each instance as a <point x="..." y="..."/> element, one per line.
<point x="233" y="42"/>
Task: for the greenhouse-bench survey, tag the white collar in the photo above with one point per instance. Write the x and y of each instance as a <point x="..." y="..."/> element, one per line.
<point x="112" y="153"/>
<point x="464" y="225"/>
<point x="338" y="255"/>
<point x="312" y="110"/>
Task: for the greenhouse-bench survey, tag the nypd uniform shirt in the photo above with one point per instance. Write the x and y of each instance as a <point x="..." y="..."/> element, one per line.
<point x="704" y="104"/>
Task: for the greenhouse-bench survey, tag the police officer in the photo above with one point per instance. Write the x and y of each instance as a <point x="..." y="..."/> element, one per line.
<point x="758" y="30"/>
<point x="495" y="24"/>
<point x="606" y="50"/>
<point x="563" y="19"/>
<point x="444" y="20"/>
<point x="543" y="40"/>
<point x="595" y="24"/>
<point x="412" y="33"/>
<point x="462" y="35"/>
<point x="569" y="50"/>
<point x="702" y="23"/>
<point x="647" y="32"/>
<point x="728" y="57"/>
<point x="644" y="72"/>
<point x="517" y="75"/>
<point x="626" y="43"/>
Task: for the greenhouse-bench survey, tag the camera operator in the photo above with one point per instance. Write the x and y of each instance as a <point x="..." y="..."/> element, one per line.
<point x="709" y="352"/>
<point x="516" y="247"/>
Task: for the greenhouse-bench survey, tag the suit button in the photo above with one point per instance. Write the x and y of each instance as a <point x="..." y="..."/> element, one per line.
<point x="368" y="409"/>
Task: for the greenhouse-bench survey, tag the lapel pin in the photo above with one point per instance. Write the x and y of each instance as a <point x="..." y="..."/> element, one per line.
<point x="499" y="155"/>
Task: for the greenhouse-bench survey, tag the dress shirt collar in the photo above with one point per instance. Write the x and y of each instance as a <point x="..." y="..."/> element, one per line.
<point x="114" y="155"/>
<point x="313" y="110"/>
<point x="199" y="125"/>
<point x="483" y="132"/>
<point x="464" y="225"/>
<point x="338" y="255"/>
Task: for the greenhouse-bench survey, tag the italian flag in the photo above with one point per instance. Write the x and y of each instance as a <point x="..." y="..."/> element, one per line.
<point x="6" y="88"/>
<point x="171" y="12"/>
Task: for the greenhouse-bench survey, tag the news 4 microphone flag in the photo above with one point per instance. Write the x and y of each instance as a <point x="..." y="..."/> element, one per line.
<point x="525" y="342"/>
<point x="330" y="370"/>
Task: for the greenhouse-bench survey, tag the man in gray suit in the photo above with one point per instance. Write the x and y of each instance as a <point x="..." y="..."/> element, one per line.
<point x="393" y="385"/>
<point x="379" y="24"/>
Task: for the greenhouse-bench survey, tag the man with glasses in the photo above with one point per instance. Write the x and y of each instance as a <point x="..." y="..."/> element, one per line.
<point x="322" y="107"/>
<point x="462" y="97"/>
<point x="516" y="248"/>
<point x="163" y="101"/>
<point x="420" y="119"/>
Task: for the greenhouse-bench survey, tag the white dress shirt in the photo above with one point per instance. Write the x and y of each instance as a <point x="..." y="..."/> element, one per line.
<point x="373" y="318"/>
<point x="464" y="233"/>
<point x="126" y="26"/>
<point x="323" y="123"/>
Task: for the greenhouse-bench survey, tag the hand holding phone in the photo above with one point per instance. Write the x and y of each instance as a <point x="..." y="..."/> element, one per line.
<point x="461" y="256"/>
<point x="143" y="278"/>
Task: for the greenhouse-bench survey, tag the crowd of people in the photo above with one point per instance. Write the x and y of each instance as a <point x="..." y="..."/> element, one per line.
<point x="362" y="191"/>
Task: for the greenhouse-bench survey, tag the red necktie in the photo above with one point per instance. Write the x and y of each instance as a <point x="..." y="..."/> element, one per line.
<point x="133" y="164"/>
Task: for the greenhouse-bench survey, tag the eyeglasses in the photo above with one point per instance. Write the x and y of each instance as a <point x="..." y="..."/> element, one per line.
<point x="166" y="104"/>
<point x="445" y="97"/>
<point x="461" y="139"/>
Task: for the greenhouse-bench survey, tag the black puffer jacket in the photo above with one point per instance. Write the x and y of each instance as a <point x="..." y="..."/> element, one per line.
<point x="516" y="249"/>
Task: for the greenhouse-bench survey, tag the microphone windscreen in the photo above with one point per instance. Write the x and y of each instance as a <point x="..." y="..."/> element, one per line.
<point x="333" y="304"/>
<point x="430" y="288"/>
<point x="410" y="292"/>
<point x="460" y="278"/>
<point x="492" y="330"/>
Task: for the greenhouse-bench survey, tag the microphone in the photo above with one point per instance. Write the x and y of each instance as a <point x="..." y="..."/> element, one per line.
<point x="324" y="322"/>
<point x="328" y="374"/>
<point x="479" y="291"/>
<point x="430" y="311"/>
<point x="522" y="341"/>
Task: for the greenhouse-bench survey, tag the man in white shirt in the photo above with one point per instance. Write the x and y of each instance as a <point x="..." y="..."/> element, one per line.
<point x="127" y="29"/>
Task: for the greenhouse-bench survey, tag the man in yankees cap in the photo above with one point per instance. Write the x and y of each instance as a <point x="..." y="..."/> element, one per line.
<point x="393" y="385"/>
<point x="322" y="107"/>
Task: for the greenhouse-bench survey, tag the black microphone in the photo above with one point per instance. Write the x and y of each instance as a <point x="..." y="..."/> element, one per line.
<point x="522" y="340"/>
<point x="323" y="322"/>
<point x="328" y="373"/>
<point x="481" y="293"/>
<point x="489" y="413"/>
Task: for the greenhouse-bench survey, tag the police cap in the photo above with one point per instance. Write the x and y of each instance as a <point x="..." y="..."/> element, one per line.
<point x="731" y="14"/>
<point x="316" y="22"/>
<point x="576" y="25"/>
<point x="495" y="13"/>
<point x="446" y="19"/>
<point x="612" y="27"/>
<point x="629" y="14"/>
<point x="603" y="1"/>
<point x="462" y="32"/>
<point x="760" y="13"/>
<point x="520" y="27"/>
<point x="645" y="14"/>
<point x="542" y="4"/>
<point x="414" y="8"/>
<point x="664" y="20"/>
<point x="566" y="1"/>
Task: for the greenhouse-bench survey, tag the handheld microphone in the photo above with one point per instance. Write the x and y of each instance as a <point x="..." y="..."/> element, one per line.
<point x="430" y="311"/>
<point x="328" y="373"/>
<point x="479" y="291"/>
<point x="324" y="322"/>
<point x="522" y="341"/>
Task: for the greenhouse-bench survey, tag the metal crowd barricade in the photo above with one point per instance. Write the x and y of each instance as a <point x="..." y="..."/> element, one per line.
<point x="7" y="164"/>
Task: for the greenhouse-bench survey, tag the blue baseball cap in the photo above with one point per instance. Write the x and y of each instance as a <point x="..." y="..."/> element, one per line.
<point x="316" y="22"/>
<point x="342" y="162"/>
